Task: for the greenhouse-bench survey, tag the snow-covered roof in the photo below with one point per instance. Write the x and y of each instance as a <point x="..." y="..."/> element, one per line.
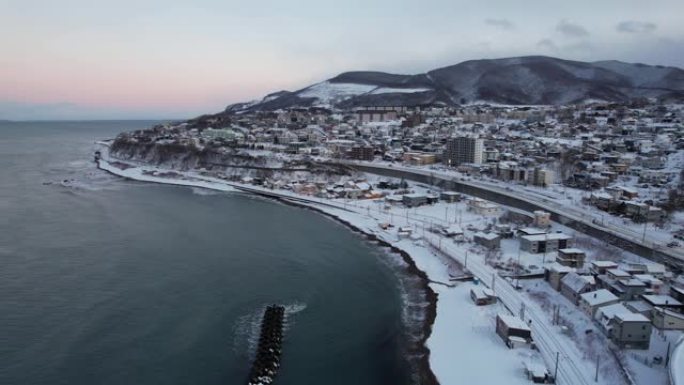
<point x="557" y="267"/>
<point x="631" y="317"/>
<point x="513" y="322"/>
<point x="604" y="263"/>
<point x="598" y="297"/>
<point x="487" y="236"/>
<point x="661" y="300"/>
<point x="576" y="282"/>
<point x="546" y="237"/>
<point x="571" y="250"/>
<point x="618" y="273"/>
<point x="610" y="311"/>
<point x="532" y="230"/>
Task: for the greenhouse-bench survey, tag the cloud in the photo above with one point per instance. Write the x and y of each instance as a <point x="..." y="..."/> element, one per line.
<point x="571" y="29"/>
<point x="633" y="26"/>
<point x="547" y="44"/>
<point x="500" y="23"/>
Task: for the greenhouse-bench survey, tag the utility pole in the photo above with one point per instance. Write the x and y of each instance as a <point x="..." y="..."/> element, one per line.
<point x="643" y="238"/>
<point x="555" y="372"/>
<point x="466" y="261"/>
<point x="598" y="361"/>
<point x="517" y="270"/>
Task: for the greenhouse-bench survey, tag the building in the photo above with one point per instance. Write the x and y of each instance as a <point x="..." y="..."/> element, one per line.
<point x="483" y="207"/>
<point x="542" y="219"/>
<point x="543" y="243"/>
<point x="664" y="319"/>
<point x="541" y="177"/>
<point x="482" y="296"/>
<point x="450" y="196"/>
<point x="362" y="153"/>
<point x="513" y="331"/>
<point x="571" y="257"/>
<point x="413" y="200"/>
<point x="572" y="285"/>
<point x="368" y="115"/>
<point x="591" y="301"/>
<point x="419" y="158"/>
<point x="463" y="149"/>
<point x="663" y="302"/>
<point x="554" y="273"/>
<point x="489" y="240"/>
<point x="601" y="267"/>
<point x="630" y="331"/>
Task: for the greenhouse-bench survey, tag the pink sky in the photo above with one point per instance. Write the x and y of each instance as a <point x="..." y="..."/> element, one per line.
<point x="178" y="59"/>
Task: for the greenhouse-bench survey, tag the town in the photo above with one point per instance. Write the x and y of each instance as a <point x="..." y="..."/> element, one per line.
<point x="618" y="167"/>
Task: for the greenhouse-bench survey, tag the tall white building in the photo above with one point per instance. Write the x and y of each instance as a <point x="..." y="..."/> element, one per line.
<point x="463" y="149"/>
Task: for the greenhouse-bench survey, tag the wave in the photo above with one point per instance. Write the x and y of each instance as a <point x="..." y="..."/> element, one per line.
<point x="204" y="191"/>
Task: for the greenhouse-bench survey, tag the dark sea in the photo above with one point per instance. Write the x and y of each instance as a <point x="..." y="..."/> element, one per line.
<point x="109" y="281"/>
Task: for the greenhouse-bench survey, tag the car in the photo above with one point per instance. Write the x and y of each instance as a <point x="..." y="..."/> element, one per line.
<point x="673" y="244"/>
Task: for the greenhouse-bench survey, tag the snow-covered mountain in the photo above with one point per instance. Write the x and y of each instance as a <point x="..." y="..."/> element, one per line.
<point x="525" y="80"/>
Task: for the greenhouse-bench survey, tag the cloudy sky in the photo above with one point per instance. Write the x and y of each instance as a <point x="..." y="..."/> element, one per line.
<point x="86" y="59"/>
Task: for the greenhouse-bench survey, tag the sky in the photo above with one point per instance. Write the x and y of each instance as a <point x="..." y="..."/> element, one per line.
<point x="125" y="59"/>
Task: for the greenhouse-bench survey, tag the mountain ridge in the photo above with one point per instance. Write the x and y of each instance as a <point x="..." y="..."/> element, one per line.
<point x="523" y="80"/>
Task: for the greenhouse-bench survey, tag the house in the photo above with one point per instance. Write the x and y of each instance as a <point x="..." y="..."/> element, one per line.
<point x="573" y="285"/>
<point x="677" y="293"/>
<point x="606" y="313"/>
<point x="543" y="243"/>
<point x="554" y="273"/>
<point x="450" y="196"/>
<point x="454" y="232"/>
<point x="630" y="331"/>
<point x="629" y="289"/>
<point x="482" y="296"/>
<point x="483" y="207"/>
<point x="571" y="257"/>
<point x="591" y="301"/>
<point x="531" y="231"/>
<point x="618" y="274"/>
<point x="664" y="319"/>
<point x="513" y="331"/>
<point x="640" y="307"/>
<point x="489" y="240"/>
<point x="663" y="301"/>
<point x="414" y="200"/>
<point x="542" y="219"/>
<point x="653" y="284"/>
<point x="601" y="267"/>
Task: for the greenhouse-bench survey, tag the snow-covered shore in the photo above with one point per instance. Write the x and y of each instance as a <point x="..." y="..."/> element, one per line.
<point x="460" y="340"/>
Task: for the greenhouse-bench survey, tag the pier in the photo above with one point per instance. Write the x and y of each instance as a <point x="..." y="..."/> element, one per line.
<point x="267" y="360"/>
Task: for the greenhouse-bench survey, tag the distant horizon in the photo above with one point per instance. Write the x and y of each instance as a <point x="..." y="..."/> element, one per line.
<point x="78" y="60"/>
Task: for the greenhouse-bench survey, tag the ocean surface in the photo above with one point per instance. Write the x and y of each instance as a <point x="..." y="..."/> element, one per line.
<point x="109" y="281"/>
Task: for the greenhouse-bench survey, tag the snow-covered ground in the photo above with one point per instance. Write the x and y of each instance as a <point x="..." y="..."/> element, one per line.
<point x="328" y="92"/>
<point x="677" y="364"/>
<point x="552" y="201"/>
<point x="457" y="321"/>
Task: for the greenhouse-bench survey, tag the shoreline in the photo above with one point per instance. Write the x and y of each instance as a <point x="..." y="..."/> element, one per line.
<point x="425" y="373"/>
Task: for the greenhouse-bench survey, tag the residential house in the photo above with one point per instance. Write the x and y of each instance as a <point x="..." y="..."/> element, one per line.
<point x="590" y="302"/>
<point x="489" y="240"/>
<point x="571" y="257"/>
<point x="572" y="285"/>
